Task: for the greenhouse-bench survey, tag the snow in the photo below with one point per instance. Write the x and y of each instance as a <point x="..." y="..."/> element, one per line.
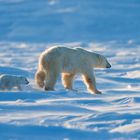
<point x="110" y="28"/>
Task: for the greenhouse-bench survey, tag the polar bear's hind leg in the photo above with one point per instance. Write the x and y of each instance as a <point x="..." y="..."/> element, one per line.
<point x="39" y="78"/>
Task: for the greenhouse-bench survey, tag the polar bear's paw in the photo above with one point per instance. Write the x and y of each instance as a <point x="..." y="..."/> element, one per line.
<point x="98" y="92"/>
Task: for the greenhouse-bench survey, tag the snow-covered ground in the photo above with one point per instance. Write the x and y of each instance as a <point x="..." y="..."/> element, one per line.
<point x="111" y="28"/>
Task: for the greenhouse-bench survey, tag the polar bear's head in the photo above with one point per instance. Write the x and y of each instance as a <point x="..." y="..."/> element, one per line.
<point x="23" y="80"/>
<point x="39" y="78"/>
<point x="102" y="62"/>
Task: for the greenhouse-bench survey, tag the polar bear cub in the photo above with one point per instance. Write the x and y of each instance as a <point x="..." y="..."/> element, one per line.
<point x="68" y="62"/>
<point x="7" y="82"/>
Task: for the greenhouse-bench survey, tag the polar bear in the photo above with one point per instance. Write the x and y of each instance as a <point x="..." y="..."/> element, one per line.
<point x="7" y="82"/>
<point x="68" y="62"/>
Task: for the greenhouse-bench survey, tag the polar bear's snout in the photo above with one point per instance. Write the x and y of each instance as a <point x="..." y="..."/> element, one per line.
<point x="108" y="65"/>
<point x="27" y="82"/>
<point x="24" y="80"/>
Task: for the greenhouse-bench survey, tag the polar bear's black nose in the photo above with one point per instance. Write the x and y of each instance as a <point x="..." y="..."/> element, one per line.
<point x="108" y="66"/>
<point x="27" y="82"/>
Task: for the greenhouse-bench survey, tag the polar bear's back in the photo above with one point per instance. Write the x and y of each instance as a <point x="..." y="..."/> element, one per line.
<point x="60" y="51"/>
<point x="57" y="57"/>
<point x="7" y="77"/>
<point x="66" y="59"/>
<point x="3" y="77"/>
<point x="6" y="81"/>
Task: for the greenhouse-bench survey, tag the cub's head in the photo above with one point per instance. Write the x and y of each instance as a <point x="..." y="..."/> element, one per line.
<point x="102" y="62"/>
<point x="23" y="80"/>
<point x="39" y="78"/>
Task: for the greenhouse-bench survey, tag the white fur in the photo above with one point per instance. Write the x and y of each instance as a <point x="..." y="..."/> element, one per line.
<point x="7" y="82"/>
<point x="69" y="62"/>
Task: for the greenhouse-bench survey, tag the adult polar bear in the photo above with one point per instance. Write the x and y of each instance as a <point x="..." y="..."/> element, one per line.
<point x="69" y="62"/>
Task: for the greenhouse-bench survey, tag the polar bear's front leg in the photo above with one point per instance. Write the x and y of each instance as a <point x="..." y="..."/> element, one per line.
<point x="90" y="82"/>
<point x="67" y="79"/>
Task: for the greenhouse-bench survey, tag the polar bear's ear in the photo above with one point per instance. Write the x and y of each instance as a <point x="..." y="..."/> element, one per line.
<point x="99" y="61"/>
<point x="108" y="65"/>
